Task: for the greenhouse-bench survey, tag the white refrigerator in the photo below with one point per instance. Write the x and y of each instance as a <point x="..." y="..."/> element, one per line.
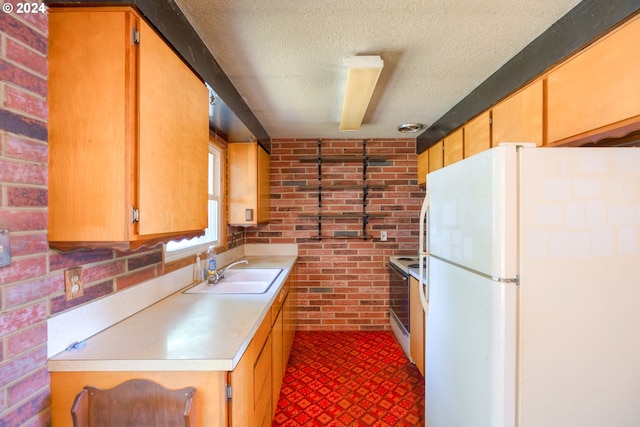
<point x="532" y="288"/>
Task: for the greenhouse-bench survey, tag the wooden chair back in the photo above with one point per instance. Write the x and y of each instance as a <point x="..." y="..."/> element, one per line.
<point x="134" y="403"/>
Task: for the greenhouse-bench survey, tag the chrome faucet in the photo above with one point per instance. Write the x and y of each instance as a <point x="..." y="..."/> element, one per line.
<point x="219" y="274"/>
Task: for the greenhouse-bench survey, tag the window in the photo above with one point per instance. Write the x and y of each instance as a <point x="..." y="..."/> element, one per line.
<point x="215" y="233"/>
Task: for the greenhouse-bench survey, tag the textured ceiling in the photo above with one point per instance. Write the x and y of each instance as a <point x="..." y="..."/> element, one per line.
<point x="288" y="58"/>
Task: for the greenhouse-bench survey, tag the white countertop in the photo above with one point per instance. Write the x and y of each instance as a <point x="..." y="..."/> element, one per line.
<point x="182" y="332"/>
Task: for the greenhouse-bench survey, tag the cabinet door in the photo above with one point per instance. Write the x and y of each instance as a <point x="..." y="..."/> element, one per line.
<point x="477" y="134"/>
<point x="519" y="118"/>
<point x="243" y="182"/>
<point x="90" y="94"/>
<point x="596" y="88"/>
<point x="174" y="138"/>
<point x="436" y="158"/>
<point x="454" y="147"/>
<point x="416" y="324"/>
<point x="423" y="166"/>
<point x="250" y="403"/>
<point x="249" y="185"/>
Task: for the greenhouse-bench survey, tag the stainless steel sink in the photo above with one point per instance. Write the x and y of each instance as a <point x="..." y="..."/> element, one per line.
<point x="240" y="281"/>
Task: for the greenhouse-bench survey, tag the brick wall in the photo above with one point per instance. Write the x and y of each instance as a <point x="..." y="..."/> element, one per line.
<point x="343" y="284"/>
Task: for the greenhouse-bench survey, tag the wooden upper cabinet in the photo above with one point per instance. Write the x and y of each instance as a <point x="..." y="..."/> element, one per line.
<point x="477" y="134"/>
<point x="596" y="89"/>
<point x="519" y="118"/>
<point x="249" y="184"/>
<point x="436" y="156"/>
<point x="423" y="167"/>
<point x="128" y="134"/>
<point x="454" y="147"/>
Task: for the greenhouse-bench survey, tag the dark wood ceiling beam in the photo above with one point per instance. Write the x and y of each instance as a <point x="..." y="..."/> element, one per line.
<point x="585" y="23"/>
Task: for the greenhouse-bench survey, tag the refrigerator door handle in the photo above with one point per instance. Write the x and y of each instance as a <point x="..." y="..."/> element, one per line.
<point x="423" y="254"/>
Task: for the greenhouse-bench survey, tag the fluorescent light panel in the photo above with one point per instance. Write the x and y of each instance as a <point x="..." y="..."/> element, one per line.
<point x="361" y="81"/>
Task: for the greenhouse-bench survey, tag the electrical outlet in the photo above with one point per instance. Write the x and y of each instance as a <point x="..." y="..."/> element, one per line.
<point x="383" y="236"/>
<point x="73" y="283"/>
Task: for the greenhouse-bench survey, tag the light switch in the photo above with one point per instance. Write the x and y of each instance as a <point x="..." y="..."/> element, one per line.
<point x="5" y="248"/>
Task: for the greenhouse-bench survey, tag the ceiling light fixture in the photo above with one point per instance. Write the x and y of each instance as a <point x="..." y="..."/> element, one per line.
<point x="361" y="81"/>
<point x="410" y="127"/>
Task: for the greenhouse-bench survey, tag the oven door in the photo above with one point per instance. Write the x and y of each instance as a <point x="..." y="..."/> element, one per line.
<point x="399" y="298"/>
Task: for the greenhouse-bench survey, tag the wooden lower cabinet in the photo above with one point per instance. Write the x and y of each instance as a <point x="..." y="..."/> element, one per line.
<point x="210" y="402"/>
<point x="416" y="325"/>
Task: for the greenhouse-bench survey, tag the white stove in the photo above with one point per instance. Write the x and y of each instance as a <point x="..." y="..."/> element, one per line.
<point x="399" y="271"/>
<point x="405" y="262"/>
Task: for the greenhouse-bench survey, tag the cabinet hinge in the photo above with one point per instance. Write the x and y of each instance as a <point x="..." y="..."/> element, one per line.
<point x="228" y="393"/>
<point x="135" y="36"/>
<point x="135" y="214"/>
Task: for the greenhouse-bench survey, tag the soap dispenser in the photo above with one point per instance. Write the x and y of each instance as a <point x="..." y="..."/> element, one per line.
<point x="211" y="262"/>
<point x="199" y="269"/>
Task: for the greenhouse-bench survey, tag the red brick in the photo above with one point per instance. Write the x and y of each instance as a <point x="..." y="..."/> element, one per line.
<point x="13" y="74"/>
<point x="23" y="269"/>
<point x="28" y="386"/>
<point x="27" y="339"/>
<point x="32" y="412"/>
<point x="144" y="260"/>
<point x="21" y="318"/>
<point x="26" y="103"/>
<point x="37" y="20"/>
<point x="33" y="290"/>
<point x="103" y="271"/>
<point x="26" y="57"/>
<point x="133" y="279"/>
<point x="23" y="172"/>
<point x="23" y="365"/>
<point x="18" y="30"/>
<point x="64" y="260"/>
<point x="25" y="149"/>
<point x="29" y="244"/>
<point x="26" y="197"/>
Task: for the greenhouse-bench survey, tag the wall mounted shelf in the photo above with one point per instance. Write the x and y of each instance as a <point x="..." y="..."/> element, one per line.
<point x="364" y="188"/>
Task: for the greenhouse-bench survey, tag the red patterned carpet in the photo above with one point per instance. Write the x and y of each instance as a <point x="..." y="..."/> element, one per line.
<point x="355" y="379"/>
